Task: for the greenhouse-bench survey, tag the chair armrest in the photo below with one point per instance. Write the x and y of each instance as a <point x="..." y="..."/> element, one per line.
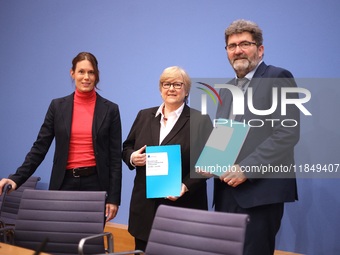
<point x="5" y="190"/>
<point x="127" y="252"/>
<point x="109" y="240"/>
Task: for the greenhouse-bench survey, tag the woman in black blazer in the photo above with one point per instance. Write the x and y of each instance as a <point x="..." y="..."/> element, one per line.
<point x="164" y="125"/>
<point x="87" y="132"/>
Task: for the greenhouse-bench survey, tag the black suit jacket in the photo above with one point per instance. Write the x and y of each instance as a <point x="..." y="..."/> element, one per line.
<point x="106" y="135"/>
<point x="190" y="126"/>
<point x="269" y="145"/>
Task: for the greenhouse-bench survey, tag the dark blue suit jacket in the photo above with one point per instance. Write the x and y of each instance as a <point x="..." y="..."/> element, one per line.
<point x="106" y="135"/>
<point x="269" y="145"/>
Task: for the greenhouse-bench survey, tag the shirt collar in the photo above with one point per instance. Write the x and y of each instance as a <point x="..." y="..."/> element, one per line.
<point x="176" y="112"/>
<point x="250" y="75"/>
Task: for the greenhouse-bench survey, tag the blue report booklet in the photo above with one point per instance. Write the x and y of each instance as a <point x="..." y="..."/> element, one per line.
<point x="163" y="171"/>
<point x="223" y="146"/>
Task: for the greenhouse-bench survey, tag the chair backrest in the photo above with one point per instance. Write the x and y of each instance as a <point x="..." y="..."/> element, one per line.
<point x="10" y="206"/>
<point x="185" y="231"/>
<point x="62" y="218"/>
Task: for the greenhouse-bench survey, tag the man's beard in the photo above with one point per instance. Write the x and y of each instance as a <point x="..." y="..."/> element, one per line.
<point x="241" y="65"/>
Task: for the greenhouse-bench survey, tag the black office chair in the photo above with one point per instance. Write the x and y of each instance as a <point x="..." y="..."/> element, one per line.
<point x="60" y="219"/>
<point x="185" y="231"/>
<point x="10" y="206"/>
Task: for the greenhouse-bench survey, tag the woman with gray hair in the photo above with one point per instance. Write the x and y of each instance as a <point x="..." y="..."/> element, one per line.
<point x="166" y="124"/>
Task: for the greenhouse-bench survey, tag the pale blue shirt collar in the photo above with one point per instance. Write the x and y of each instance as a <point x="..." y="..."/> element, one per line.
<point x="250" y="75"/>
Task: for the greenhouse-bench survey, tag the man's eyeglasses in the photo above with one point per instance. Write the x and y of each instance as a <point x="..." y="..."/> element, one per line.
<point x="243" y="45"/>
<point x="176" y="85"/>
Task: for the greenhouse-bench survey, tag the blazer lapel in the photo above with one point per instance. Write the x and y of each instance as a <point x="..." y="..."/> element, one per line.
<point x="255" y="82"/>
<point x="155" y="127"/>
<point x="100" y="112"/>
<point x="182" y="120"/>
<point x="228" y="101"/>
<point x="66" y="110"/>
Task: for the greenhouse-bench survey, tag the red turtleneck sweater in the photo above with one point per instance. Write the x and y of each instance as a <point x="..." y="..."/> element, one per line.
<point x="81" y="153"/>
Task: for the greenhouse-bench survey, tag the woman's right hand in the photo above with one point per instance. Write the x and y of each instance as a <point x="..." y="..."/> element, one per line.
<point x="5" y="181"/>
<point x="138" y="157"/>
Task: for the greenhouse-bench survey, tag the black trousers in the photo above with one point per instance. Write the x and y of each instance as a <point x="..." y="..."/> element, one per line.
<point x="264" y="223"/>
<point x="84" y="183"/>
<point x="140" y="244"/>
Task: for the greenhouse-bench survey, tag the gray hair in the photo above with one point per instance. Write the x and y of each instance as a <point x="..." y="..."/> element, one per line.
<point x="240" y="26"/>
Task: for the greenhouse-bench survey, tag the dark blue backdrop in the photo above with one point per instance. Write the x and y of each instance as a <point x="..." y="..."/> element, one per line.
<point x="135" y="40"/>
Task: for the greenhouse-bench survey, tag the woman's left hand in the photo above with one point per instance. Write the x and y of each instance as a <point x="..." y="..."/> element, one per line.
<point x="183" y="190"/>
<point x="111" y="211"/>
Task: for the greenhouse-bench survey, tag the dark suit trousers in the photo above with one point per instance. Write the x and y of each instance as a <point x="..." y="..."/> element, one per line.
<point x="264" y="222"/>
<point x="140" y="244"/>
<point x="86" y="183"/>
